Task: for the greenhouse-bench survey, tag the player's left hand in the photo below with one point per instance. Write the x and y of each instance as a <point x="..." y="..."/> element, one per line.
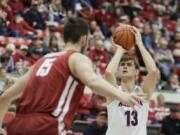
<point x="137" y="34"/>
<point x="2" y="131"/>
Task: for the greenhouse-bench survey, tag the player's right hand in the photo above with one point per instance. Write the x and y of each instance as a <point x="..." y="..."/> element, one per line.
<point x="133" y="99"/>
<point x="2" y="131"/>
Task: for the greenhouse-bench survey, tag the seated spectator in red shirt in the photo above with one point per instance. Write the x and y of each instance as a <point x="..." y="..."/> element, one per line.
<point x="21" y="27"/>
<point x="20" y="54"/>
<point x="37" y="53"/>
<point x="99" y="56"/>
<point x="16" y="5"/>
<point x="98" y="104"/>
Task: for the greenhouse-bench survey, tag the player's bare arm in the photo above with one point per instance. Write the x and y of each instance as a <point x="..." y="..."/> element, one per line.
<point x="150" y="81"/>
<point x="111" y="70"/>
<point x="110" y="73"/>
<point x="12" y="93"/>
<point x="81" y="67"/>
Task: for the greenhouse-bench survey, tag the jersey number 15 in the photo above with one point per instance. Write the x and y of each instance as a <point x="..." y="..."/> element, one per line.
<point x="45" y="67"/>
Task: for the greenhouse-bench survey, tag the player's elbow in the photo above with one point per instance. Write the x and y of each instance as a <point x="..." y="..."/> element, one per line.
<point x="155" y="72"/>
<point x="94" y="82"/>
<point x="3" y="98"/>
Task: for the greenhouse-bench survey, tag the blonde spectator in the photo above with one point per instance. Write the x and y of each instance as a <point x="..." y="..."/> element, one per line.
<point x="164" y="58"/>
<point x="161" y="111"/>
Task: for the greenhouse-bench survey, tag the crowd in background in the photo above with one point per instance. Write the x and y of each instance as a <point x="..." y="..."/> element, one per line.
<point x="40" y="23"/>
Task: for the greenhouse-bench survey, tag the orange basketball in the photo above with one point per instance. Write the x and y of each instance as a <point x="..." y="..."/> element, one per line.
<point x="124" y="37"/>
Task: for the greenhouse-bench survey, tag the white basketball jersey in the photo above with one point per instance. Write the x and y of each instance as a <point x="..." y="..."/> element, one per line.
<point x="123" y="120"/>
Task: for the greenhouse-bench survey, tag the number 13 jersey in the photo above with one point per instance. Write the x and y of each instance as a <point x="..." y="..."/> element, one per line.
<point x="126" y="120"/>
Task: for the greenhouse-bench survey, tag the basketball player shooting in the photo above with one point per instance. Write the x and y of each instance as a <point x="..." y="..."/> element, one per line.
<point x="51" y="90"/>
<point x="121" y="117"/>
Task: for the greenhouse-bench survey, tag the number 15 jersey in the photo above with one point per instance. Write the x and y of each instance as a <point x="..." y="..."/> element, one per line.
<point x="126" y="120"/>
<point x="52" y="90"/>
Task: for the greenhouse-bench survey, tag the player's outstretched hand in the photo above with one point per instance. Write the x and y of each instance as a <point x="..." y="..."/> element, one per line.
<point x="137" y="34"/>
<point x="133" y="99"/>
<point x="2" y="131"/>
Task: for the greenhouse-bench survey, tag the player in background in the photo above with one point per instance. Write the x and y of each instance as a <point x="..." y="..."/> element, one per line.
<point x="50" y="91"/>
<point x="121" y="117"/>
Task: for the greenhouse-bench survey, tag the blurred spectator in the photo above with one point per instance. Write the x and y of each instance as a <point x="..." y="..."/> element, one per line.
<point x="172" y="84"/>
<point x="171" y="123"/>
<point x="176" y="54"/>
<point x="164" y="58"/>
<point x="156" y="34"/>
<point x="3" y="24"/>
<point x="148" y="39"/>
<point x="20" y="28"/>
<point x="84" y="109"/>
<point x="177" y="36"/>
<point x="35" y="42"/>
<point x="53" y="40"/>
<point x="6" y="59"/>
<point x="5" y="80"/>
<point x="124" y="19"/>
<point x="99" y="56"/>
<point x="18" y="71"/>
<point x="137" y="22"/>
<point x="10" y="48"/>
<point x="37" y="53"/>
<point x="98" y="127"/>
<point x="104" y="20"/>
<point x="34" y="17"/>
<point x="176" y="9"/>
<point x="98" y="104"/>
<point x="20" y="54"/>
<point x="7" y="11"/>
<point x="95" y="33"/>
<point x="56" y="11"/>
<point x="42" y="8"/>
<point x="16" y="5"/>
<point x="152" y="112"/>
<point x="161" y="111"/>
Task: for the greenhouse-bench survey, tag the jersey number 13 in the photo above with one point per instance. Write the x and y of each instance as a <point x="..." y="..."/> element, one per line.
<point x="132" y="118"/>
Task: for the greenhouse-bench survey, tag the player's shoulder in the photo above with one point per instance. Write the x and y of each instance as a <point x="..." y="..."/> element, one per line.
<point x="78" y="57"/>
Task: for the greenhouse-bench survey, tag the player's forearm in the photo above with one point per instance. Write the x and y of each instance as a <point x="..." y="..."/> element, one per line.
<point x="147" y="58"/>
<point x="104" y="88"/>
<point x="4" y="105"/>
<point x="114" y="63"/>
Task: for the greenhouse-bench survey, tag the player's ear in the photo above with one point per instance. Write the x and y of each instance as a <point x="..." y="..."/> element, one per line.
<point x="83" y="40"/>
<point x="137" y="72"/>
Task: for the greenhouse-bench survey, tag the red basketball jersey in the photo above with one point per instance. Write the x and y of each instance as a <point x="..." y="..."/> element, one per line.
<point x="52" y="89"/>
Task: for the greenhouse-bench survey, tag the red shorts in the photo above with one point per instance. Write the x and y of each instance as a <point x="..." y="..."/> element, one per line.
<point x="33" y="124"/>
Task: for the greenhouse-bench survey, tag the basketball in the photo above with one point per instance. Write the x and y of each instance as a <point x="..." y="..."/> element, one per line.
<point x="124" y="37"/>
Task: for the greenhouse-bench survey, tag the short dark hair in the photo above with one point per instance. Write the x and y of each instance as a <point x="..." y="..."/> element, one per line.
<point x="129" y="57"/>
<point x="74" y="28"/>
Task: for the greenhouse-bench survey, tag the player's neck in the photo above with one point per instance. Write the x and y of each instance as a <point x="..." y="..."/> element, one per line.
<point x="74" y="47"/>
<point x="128" y="85"/>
